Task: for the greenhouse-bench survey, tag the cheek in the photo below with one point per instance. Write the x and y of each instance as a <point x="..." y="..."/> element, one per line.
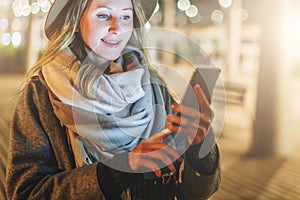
<point x="93" y="38"/>
<point x="128" y="35"/>
<point x="91" y="32"/>
<point x="128" y="32"/>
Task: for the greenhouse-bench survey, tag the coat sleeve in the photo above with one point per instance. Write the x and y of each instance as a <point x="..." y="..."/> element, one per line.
<point x="196" y="186"/>
<point x="39" y="163"/>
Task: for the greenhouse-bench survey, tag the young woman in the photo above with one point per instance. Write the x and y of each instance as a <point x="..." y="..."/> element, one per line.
<point x="95" y="122"/>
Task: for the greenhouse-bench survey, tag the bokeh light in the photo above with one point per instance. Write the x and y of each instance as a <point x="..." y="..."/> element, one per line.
<point x="217" y="16"/>
<point x="225" y="3"/>
<point x="6" y="38"/>
<point x="183" y="4"/>
<point x="16" y="39"/>
<point x="4" y="24"/>
<point x="192" y="11"/>
<point x="16" y="24"/>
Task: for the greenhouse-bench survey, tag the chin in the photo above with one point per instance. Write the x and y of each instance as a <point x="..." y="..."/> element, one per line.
<point x="111" y="57"/>
<point x="110" y="53"/>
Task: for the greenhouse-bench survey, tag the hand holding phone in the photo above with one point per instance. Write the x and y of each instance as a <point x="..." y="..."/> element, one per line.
<point x="196" y="122"/>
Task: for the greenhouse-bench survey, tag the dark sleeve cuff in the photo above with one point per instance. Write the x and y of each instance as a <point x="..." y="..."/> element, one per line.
<point x="113" y="181"/>
<point x="208" y="164"/>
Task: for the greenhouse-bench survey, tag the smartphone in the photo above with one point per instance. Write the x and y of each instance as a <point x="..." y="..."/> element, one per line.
<point x="206" y="78"/>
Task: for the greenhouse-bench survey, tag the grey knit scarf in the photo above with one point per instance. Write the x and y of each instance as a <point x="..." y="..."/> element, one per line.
<point x="123" y="114"/>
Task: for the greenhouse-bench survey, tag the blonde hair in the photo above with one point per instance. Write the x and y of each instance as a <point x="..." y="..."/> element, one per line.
<point x="87" y="73"/>
<point x="63" y="38"/>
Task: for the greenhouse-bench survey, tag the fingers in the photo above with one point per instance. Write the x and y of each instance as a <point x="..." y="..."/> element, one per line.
<point x="185" y="111"/>
<point x="159" y="136"/>
<point x="163" y="156"/>
<point x="188" y="117"/>
<point x="194" y="123"/>
<point x="138" y="162"/>
<point x="203" y="101"/>
<point x="153" y="154"/>
<point x="160" y="151"/>
<point x="204" y="104"/>
<point x="190" y="130"/>
<point x="152" y="160"/>
<point x="153" y="166"/>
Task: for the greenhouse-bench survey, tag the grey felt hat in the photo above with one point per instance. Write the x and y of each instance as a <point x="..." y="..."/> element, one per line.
<point x="57" y="14"/>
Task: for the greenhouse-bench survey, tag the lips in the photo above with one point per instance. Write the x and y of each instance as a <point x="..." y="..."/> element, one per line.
<point x="111" y="42"/>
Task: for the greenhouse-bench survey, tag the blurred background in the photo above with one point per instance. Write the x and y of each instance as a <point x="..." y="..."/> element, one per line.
<point x="256" y="43"/>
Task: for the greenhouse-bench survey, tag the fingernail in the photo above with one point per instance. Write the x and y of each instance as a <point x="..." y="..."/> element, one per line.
<point x="157" y="173"/>
<point x="172" y="168"/>
<point x="166" y="130"/>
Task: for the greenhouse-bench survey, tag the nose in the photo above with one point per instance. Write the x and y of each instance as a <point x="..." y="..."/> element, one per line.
<point x="114" y="27"/>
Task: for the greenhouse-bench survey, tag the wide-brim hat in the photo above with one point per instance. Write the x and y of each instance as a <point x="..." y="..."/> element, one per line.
<point x="57" y="14"/>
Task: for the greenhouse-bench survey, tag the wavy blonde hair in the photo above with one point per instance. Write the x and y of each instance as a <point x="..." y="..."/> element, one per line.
<point x="87" y="74"/>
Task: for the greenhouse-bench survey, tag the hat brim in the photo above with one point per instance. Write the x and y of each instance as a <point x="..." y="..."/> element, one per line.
<point x="57" y="14"/>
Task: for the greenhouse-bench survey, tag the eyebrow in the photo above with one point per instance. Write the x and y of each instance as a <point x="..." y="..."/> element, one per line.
<point x="111" y="9"/>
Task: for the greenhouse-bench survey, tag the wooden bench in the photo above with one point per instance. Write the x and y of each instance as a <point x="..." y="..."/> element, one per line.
<point x="231" y="93"/>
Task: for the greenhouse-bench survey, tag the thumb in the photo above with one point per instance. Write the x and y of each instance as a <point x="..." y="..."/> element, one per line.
<point x="160" y="136"/>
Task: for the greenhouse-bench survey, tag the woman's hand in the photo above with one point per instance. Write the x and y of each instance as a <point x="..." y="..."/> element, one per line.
<point x="194" y="123"/>
<point x="150" y="151"/>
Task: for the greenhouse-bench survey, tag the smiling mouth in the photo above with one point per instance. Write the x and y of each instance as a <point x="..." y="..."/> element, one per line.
<point x="111" y="42"/>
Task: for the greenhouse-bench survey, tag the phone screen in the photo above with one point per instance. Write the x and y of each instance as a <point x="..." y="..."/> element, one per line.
<point x="206" y="78"/>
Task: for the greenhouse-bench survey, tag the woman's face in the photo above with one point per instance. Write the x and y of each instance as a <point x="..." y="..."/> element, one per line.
<point x="106" y="27"/>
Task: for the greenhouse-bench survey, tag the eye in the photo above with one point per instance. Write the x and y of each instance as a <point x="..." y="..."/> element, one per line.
<point x="104" y="16"/>
<point x="125" y="17"/>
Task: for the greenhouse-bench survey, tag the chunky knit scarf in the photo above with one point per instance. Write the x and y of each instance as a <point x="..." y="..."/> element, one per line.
<point x="120" y="117"/>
